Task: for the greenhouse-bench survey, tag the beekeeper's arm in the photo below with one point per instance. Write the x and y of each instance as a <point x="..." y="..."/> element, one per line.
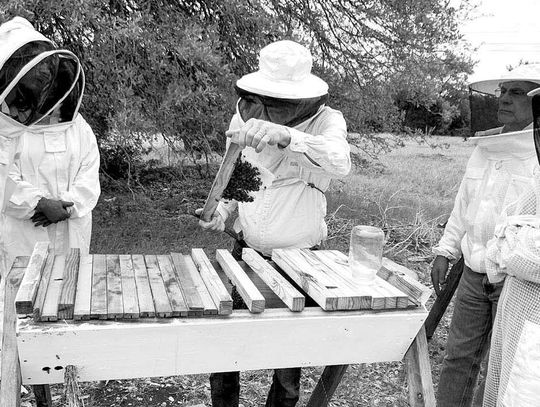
<point x="85" y="189"/>
<point x="83" y="193"/>
<point x="450" y="244"/>
<point x="22" y="197"/>
<point x="325" y="152"/>
<point x="449" y="247"/>
<point x="28" y="202"/>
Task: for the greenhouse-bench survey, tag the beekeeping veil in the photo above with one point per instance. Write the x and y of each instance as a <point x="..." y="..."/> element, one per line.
<point x="39" y="85"/>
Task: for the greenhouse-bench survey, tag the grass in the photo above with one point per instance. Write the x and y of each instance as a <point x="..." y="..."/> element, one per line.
<point x="408" y="193"/>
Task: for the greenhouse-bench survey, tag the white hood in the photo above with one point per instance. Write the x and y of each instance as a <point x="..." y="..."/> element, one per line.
<point x="14" y="34"/>
<point x="18" y="32"/>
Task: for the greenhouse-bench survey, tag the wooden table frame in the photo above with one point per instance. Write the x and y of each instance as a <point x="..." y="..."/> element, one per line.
<point x="352" y="337"/>
<point x="276" y="338"/>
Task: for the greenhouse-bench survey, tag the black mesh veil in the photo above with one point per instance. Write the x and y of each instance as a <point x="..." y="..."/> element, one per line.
<point x="536" y="124"/>
<point x="483" y="108"/>
<point x="67" y="72"/>
<point x="31" y="91"/>
<point x="288" y="112"/>
<point x="44" y="85"/>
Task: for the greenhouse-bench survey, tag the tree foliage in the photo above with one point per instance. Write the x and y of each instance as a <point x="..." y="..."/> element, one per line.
<point x="155" y="67"/>
<point x="168" y="66"/>
<point x="387" y="54"/>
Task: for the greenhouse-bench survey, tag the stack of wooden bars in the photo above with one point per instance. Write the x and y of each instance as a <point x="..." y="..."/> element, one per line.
<point x="115" y="286"/>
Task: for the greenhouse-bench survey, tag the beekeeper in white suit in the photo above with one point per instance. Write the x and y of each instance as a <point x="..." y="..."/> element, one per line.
<point x="52" y="184"/>
<point x="499" y="170"/>
<point x="286" y="129"/>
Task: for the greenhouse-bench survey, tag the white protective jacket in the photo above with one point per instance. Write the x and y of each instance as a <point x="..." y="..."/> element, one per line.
<point x="498" y="171"/>
<point x="56" y="161"/>
<point x="289" y="213"/>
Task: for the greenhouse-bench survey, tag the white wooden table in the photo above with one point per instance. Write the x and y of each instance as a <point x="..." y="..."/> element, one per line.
<point x="275" y="338"/>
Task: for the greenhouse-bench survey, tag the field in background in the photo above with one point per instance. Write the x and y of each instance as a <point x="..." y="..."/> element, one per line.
<point x="408" y="193"/>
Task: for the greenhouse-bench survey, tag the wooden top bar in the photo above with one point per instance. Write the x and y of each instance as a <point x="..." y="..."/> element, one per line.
<point x="165" y="286"/>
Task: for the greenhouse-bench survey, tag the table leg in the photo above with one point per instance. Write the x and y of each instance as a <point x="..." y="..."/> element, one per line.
<point x="10" y="386"/>
<point x="421" y="393"/>
<point x="327" y="385"/>
<point x="71" y="387"/>
<point x="42" y="395"/>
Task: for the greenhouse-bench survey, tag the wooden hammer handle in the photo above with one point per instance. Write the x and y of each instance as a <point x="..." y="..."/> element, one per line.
<point x="220" y="182"/>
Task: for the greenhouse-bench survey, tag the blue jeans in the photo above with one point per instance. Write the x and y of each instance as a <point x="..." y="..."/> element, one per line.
<point x="468" y="339"/>
<point x="284" y="392"/>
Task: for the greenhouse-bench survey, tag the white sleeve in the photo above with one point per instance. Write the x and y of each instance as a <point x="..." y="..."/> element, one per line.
<point x="24" y="195"/>
<point x="450" y="244"/>
<point x="84" y="191"/>
<point x="327" y="151"/>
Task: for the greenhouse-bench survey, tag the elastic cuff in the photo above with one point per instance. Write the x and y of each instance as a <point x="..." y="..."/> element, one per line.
<point x="297" y="143"/>
<point x="32" y="202"/>
<point x="222" y="212"/>
<point x="30" y="198"/>
<point x="74" y="210"/>
<point x="445" y="253"/>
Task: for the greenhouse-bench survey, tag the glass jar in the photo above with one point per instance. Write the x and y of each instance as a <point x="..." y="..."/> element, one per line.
<point x="365" y="253"/>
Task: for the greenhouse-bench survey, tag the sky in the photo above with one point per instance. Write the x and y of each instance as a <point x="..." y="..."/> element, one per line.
<point x="504" y="31"/>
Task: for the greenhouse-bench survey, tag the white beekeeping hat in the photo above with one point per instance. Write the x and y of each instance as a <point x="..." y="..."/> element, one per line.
<point x="284" y="72"/>
<point x="528" y="73"/>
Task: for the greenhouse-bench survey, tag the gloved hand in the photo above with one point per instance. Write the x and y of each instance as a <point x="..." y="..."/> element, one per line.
<point x="217" y="223"/>
<point x="52" y="209"/>
<point x="260" y="133"/>
<point x="40" y="219"/>
<point x="439" y="269"/>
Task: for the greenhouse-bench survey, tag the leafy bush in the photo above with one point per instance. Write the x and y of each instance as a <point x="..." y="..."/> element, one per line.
<point x="118" y="161"/>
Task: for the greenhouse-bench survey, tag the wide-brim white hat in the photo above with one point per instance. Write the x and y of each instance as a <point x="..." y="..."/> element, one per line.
<point x="527" y="73"/>
<point x="284" y="73"/>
